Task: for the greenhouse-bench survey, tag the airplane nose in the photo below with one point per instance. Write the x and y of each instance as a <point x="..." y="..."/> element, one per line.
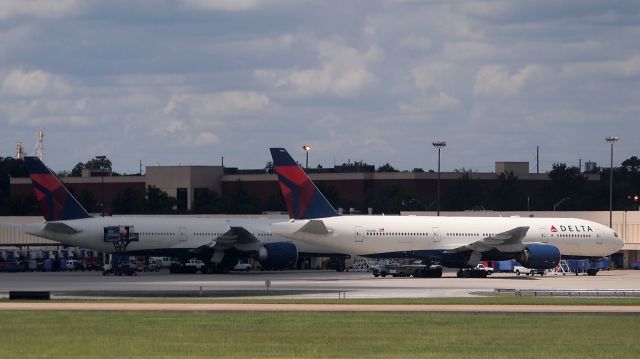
<point x="618" y="242"/>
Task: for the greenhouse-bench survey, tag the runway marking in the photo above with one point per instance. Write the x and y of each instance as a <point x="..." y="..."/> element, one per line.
<point x="214" y="307"/>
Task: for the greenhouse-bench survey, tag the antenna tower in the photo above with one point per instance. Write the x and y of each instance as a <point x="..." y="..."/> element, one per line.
<point x="39" y="150"/>
<point x="20" y="151"/>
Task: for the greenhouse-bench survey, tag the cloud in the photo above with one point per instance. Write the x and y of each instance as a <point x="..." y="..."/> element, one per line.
<point x="233" y="5"/>
<point x="206" y="138"/>
<point x="413" y="41"/>
<point x="343" y="72"/>
<point x="34" y="83"/>
<point x="625" y="68"/>
<point x="216" y="105"/>
<point x="39" y="8"/>
<point x="497" y="80"/>
<point x="431" y="75"/>
<point x="441" y="101"/>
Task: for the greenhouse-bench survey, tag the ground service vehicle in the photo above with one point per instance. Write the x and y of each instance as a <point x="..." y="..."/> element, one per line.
<point x="481" y="266"/>
<point x="527" y="271"/>
<point x="408" y="270"/>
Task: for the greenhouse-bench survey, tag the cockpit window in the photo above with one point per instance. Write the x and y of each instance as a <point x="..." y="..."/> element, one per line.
<point x="615" y="234"/>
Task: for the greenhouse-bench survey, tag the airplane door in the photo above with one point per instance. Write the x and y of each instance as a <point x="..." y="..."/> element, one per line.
<point x="358" y="234"/>
<point x="436" y="234"/>
<point x="599" y="237"/>
<point x="182" y="233"/>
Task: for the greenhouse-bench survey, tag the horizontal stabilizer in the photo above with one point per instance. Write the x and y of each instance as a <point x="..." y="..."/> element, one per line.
<point x="59" y="227"/>
<point x="314" y="226"/>
<point x="11" y="225"/>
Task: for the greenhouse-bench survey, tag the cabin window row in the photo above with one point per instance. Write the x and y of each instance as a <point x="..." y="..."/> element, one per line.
<point x="395" y="234"/>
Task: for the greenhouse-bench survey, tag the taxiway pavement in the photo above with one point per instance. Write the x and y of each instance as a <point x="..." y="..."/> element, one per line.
<point x="302" y="284"/>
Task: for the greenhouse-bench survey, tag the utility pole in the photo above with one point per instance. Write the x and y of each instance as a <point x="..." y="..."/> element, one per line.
<point x="439" y="145"/>
<point x="537" y="159"/>
<point x="611" y="140"/>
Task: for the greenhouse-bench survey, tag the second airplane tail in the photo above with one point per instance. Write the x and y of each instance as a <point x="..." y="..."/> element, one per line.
<point x="55" y="201"/>
<point x="303" y="199"/>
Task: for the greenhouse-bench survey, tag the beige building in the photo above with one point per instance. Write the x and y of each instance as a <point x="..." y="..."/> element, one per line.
<point x="181" y="182"/>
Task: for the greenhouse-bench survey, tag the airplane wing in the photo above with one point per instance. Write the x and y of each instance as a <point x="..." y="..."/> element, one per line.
<point x="236" y="235"/>
<point x="509" y="241"/>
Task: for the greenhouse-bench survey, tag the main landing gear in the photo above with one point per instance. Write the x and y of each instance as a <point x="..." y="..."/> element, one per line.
<point x="471" y="273"/>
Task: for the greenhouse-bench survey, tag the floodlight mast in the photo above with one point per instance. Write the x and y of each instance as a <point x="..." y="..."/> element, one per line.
<point x="439" y="145"/>
<point x="611" y="140"/>
<point x="306" y="149"/>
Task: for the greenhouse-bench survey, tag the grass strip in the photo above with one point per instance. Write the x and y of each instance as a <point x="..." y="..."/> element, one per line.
<point x="501" y="300"/>
<point x="314" y="335"/>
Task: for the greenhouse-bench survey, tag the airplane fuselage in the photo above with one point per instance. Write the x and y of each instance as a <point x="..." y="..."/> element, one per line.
<point x="167" y="235"/>
<point x="409" y="235"/>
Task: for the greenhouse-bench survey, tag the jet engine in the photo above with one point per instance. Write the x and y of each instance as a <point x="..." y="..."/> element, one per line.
<point x="540" y="256"/>
<point x="278" y="255"/>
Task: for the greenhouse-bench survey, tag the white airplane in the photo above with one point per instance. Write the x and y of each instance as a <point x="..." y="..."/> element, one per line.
<point x="457" y="242"/>
<point x="219" y="242"/>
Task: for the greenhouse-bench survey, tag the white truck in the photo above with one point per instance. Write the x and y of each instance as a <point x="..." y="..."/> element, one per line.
<point x="527" y="271"/>
<point x="481" y="266"/>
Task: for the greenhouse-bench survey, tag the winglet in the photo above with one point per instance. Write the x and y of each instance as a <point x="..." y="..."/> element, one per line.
<point x="303" y="199"/>
<point x="56" y="203"/>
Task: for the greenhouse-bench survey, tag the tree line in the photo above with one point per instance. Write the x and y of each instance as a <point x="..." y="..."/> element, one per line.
<point x="566" y="189"/>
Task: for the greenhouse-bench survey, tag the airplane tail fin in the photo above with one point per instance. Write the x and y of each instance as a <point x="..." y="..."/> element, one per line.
<point x="56" y="203"/>
<point x="303" y="199"/>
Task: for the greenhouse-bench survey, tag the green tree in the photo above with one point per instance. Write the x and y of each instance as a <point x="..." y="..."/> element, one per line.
<point x="466" y="193"/>
<point x="241" y="201"/>
<point x="275" y="203"/>
<point x="88" y="201"/>
<point x="387" y="168"/>
<point x="507" y="196"/>
<point x="9" y="167"/>
<point x="391" y="199"/>
<point x="158" y="201"/>
<point x="77" y="170"/>
<point x="205" y="201"/>
<point x="566" y="182"/>
<point x="97" y="163"/>
<point x="129" y="201"/>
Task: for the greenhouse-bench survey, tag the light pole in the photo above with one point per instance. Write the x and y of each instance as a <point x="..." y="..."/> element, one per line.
<point x="611" y="140"/>
<point x="102" y="169"/>
<point x="306" y="149"/>
<point x="439" y="145"/>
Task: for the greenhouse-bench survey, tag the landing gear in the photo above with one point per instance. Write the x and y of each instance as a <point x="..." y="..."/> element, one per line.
<point x="471" y="273"/>
<point x="592" y="271"/>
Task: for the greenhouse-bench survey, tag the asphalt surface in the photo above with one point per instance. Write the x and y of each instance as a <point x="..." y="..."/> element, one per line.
<point x="80" y="306"/>
<point x="302" y="284"/>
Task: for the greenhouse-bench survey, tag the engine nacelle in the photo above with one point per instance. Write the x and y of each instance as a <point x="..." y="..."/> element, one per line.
<point x="278" y="255"/>
<point x="540" y="256"/>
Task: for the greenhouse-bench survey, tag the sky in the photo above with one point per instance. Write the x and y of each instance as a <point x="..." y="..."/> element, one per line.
<point x="188" y="82"/>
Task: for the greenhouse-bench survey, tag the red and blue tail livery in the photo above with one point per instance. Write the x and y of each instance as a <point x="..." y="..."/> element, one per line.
<point x="303" y="199"/>
<point x="56" y="203"/>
